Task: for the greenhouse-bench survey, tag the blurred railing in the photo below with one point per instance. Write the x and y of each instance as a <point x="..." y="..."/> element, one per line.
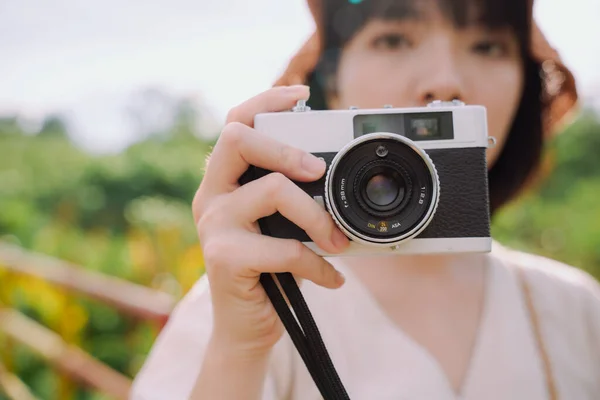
<point x="135" y="300"/>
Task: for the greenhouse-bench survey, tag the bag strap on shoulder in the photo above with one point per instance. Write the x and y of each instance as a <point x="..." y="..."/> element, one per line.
<point x="535" y="324"/>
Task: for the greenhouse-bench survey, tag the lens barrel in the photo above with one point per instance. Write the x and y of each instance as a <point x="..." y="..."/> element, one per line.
<point x="382" y="189"/>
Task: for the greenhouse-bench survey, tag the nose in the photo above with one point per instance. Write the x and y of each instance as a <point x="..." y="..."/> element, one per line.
<point x="442" y="79"/>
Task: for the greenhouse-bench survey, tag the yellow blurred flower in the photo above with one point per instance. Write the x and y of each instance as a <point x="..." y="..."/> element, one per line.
<point x="191" y="267"/>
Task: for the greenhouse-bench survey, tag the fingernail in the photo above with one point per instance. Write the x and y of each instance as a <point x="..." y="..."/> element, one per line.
<point x="339" y="239"/>
<point x="298" y="89"/>
<point x="312" y="164"/>
<point x="340" y="279"/>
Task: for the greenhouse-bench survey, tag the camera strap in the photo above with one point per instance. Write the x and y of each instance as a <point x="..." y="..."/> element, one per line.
<point x="306" y="336"/>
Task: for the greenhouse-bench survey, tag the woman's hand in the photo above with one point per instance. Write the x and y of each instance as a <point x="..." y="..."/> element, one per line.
<point x="226" y="215"/>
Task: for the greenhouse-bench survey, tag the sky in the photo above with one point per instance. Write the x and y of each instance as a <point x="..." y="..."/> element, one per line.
<point x="87" y="60"/>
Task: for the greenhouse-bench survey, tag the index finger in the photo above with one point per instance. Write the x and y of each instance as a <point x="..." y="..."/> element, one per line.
<point x="240" y="147"/>
<point x="280" y="98"/>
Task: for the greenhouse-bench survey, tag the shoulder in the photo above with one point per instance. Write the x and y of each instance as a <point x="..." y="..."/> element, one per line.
<point x="175" y="359"/>
<point x="566" y="298"/>
<point x="547" y="275"/>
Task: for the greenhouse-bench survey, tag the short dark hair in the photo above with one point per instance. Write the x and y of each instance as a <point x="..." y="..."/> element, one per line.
<point x="521" y="155"/>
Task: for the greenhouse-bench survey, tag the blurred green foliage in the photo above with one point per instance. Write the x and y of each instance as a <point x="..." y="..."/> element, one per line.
<point x="126" y="215"/>
<point x="561" y="217"/>
<point x="129" y="215"/>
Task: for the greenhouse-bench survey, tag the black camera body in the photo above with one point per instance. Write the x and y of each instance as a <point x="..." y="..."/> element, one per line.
<point x="398" y="180"/>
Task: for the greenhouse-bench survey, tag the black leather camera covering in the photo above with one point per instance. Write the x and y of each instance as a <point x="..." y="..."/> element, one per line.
<point x="463" y="208"/>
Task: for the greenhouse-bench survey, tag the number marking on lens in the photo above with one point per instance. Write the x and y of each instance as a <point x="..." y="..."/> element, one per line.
<point x="343" y="192"/>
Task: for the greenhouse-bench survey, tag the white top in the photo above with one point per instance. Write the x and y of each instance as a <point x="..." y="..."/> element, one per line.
<point x="376" y="360"/>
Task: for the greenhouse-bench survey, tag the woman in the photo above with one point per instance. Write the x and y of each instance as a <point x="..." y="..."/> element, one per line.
<point x="503" y="325"/>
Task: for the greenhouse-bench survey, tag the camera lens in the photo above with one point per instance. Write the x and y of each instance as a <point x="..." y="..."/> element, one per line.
<point x="382" y="189"/>
<point x="382" y="199"/>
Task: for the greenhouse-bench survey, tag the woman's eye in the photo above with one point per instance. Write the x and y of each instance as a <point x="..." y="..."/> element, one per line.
<point x="390" y="41"/>
<point x="490" y="48"/>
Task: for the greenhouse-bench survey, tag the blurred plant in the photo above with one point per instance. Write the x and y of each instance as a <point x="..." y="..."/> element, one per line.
<point x="561" y="219"/>
<point x="126" y="215"/>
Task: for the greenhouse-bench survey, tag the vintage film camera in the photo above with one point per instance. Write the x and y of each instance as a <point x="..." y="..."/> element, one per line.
<point x="398" y="180"/>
